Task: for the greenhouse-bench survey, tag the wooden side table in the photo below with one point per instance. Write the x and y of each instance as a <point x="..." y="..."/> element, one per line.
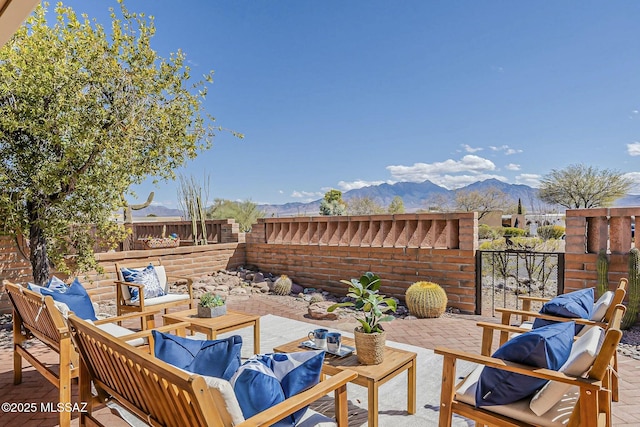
<point x="212" y="326"/>
<point x="370" y="376"/>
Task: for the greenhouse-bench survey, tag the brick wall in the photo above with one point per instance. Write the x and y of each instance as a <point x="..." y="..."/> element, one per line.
<point x="401" y="249"/>
<point x="590" y="230"/>
<point x="190" y="261"/>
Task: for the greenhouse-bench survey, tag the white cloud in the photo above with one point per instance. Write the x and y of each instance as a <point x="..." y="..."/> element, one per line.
<point x="470" y="149"/>
<point x="353" y="185"/>
<point x="633" y="149"/>
<point x="635" y="178"/>
<point x="280" y="191"/>
<point x="419" y="172"/>
<point x="530" y="179"/>
<point x="307" y="195"/>
<point x="512" y="167"/>
<point x="507" y="150"/>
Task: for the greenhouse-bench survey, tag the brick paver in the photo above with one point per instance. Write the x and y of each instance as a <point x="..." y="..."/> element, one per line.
<point x="454" y="331"/>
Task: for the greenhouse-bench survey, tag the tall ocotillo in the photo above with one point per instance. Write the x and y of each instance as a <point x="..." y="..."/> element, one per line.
<point x="602" y="267"/>
<point x="631" y="314"/>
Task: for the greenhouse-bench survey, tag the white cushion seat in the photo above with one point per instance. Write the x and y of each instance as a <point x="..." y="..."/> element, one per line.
<point x="120" y="331"/>
<point x="161" y="300"/>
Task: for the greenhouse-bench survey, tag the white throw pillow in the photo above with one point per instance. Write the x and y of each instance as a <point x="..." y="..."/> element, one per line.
<point x="583" y="353"/>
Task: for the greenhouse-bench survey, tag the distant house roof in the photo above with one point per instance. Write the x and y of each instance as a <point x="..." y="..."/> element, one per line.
<point x="12" y="14"/>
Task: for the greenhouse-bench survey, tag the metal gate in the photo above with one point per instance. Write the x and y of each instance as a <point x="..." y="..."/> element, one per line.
<point x="502" y="276"/>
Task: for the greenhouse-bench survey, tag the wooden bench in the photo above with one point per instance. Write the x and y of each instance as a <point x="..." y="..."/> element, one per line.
<point x="36" y="316"/>
<point x="163" y="395"/>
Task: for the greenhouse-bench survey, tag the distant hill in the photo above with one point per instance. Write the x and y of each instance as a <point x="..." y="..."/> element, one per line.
<point x="414" y="195"/>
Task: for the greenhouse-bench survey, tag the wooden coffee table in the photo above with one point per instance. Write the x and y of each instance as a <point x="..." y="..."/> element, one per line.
<point x="213" y="326"/>
<point x="370" y="376"/>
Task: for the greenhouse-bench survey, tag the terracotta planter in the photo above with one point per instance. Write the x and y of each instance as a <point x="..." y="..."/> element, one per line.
<point x="369" y="347"/>
<point x="220" y="310"/>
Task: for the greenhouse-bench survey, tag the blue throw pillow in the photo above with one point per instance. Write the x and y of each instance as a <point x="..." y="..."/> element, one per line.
<point x="572" y="305"/>
<point x="147" y="277"/>
<point x="214" y="358"/>
<point x="76" y="298"/>
<point x="546" y="347"/>
<point x="268" y="379"/>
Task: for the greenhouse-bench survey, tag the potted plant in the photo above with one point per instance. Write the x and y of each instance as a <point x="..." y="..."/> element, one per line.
<point x="369" y="336"/>
<point x="211" y="305"/>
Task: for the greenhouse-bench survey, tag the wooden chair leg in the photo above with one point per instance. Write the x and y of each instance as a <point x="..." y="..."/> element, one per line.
<point x="65" y="381"/>
<point x="447" y="394"/>
<point x="17" y="359"/>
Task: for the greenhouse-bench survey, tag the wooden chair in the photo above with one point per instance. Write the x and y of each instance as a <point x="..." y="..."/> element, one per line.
<point x="124" y="304"/>
<point x="507" y="330"/>
<point x="161" y="394"/>
<point x="589" y="406"/>
<point x="36" y="316"/>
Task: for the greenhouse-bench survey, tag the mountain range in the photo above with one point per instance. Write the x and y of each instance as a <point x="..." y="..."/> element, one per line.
<point x="414" y="196"/>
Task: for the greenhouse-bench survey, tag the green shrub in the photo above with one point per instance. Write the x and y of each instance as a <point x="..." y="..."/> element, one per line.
<point x="513" y="231"/>
<point x="487" y="232"/>
<point x="547" y="232"/>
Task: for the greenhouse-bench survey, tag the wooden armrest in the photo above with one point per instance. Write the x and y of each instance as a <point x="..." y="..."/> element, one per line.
<point x="188" y="279"/>
<point x="502" y="328"/>
<point x="132" y="284"/>
<point x="123" y="317"/>
<point x="535" y="299"/>
<point x="300" y="400"/>
<point x="179" y="327"/>
<point x="550" y="317"/>
<point x="547" y="374"/>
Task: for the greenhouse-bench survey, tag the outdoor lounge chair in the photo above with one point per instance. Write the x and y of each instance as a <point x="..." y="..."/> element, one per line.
<point x="125" y="304"/>
<point x="38" y="316"/>
<point x="508" y="330"/>
<point x="136" y="383"/>
<point x="586" y="404"/>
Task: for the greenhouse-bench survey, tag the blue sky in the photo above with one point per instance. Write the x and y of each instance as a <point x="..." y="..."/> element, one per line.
<point x="342" y="94"/>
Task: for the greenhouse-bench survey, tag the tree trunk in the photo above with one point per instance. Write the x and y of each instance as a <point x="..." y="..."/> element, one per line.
<point x="37" y="247"/>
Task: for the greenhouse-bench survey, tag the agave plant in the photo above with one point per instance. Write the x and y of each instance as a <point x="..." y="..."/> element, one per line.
<point x="373" y="306"/>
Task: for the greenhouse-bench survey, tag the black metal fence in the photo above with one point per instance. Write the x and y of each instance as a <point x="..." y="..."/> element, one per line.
<point x="502" y="276"/>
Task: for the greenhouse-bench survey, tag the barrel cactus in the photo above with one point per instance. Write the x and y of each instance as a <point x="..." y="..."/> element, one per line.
<point x="282" y="285"/>
<point x="602" y="267"/>
<point x="631" y="314"/>
<point x="426" y="299"/>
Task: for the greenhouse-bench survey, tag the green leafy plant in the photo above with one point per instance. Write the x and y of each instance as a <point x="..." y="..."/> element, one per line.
<point x="209" y="300"/>
<point x="368" y="300"/>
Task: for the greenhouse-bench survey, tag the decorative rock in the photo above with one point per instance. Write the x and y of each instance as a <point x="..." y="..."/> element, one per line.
<point x="262" y="287"/>
<point x="318" y="311"/>
<point x="222" y="288"/>
<point x="258" y="277"/>
<point x="296" y="289"/>
<point x="238" y="291"/>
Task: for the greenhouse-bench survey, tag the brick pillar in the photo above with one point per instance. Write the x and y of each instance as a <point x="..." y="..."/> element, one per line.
<point x="230" y="232"/>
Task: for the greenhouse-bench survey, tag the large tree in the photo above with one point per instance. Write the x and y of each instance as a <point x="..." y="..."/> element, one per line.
<point x="483" y="202"/>
<point x="363" y="206"/>
<point x="580" y="186"/>
<point x="84" y="114"/>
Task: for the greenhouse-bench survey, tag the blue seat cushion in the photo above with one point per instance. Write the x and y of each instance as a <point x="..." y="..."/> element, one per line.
<point x="545" y="347"/>
<point x="75" y="297"/>
<point x="214" y="358"/>
<point x="268" y="379"/>
<point x="146" y="276"/>
<point x="572" y="305"/>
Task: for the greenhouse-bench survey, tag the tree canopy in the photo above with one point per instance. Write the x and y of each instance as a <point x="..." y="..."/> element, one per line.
<point x="332" y="204"/>
<point x="491" y="199"/>
<point x="396" y="206"/>
<point x="363" y="206"/>
<point x="84" y="114"/>
<point x="579" y="186"/>
<point x="245" y="213"/>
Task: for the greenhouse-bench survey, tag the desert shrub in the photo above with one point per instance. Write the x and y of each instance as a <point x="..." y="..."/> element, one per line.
<point x="513" y="231"/>
<point x="547" y="232"/>
<point x="487" y="232"/>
